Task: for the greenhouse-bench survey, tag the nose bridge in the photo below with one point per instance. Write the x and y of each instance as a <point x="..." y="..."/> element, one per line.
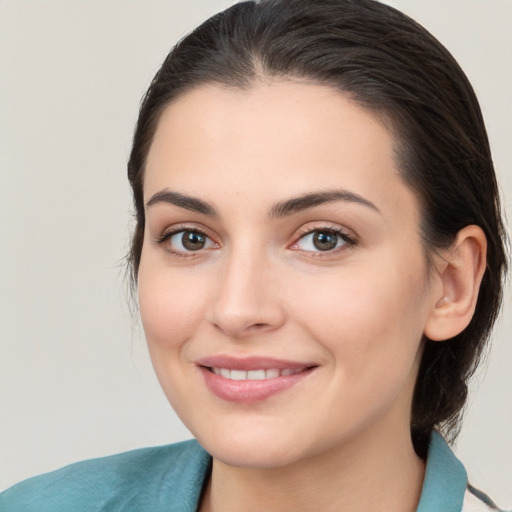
<point x="247" y="299"/>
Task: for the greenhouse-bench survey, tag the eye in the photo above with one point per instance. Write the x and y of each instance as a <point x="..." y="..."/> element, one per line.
<point x="323" y="240"/>
<point x="187" y="240"/>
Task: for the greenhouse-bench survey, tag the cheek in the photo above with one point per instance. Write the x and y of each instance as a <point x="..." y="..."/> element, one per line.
<point x="170" y="306"/>
<point x="171" y="309"/>
<point x="367" y="313"/>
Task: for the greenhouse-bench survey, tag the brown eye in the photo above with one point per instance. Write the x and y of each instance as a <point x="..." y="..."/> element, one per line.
<point x="188" y="240"/>
<point x="324" y="240"/>
<point x="193" y="241"/>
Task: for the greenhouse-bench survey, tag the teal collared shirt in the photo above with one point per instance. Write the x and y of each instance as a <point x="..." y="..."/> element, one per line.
<point x="170" y="478"/>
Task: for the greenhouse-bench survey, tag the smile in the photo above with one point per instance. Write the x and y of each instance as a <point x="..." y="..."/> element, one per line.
<point x="253" y="379"/>
<point x="260" y="374"/>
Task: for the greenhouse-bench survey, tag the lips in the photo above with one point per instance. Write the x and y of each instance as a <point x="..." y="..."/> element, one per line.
<point x="261" y="374"/>
<point x="252" y="379"/>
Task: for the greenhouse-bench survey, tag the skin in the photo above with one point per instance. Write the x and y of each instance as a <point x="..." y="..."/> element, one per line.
<point x="259" y="287"/>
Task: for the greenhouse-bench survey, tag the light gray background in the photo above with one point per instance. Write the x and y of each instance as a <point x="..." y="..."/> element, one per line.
<point x="75" y="379"/>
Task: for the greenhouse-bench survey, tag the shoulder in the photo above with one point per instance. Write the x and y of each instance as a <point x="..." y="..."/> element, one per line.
<point x="144" y="479"/>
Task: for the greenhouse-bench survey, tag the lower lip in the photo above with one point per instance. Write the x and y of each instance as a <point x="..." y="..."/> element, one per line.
<point x="249" y="391"/>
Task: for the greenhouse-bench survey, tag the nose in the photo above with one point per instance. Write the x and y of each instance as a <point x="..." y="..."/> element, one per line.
<point x="247" y="299"/>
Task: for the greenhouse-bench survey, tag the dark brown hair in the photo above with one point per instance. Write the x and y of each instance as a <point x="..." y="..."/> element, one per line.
<point x="389" y="64"/>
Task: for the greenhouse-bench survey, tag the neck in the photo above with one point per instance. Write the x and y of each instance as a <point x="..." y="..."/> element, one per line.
<point x="375" y="471"/>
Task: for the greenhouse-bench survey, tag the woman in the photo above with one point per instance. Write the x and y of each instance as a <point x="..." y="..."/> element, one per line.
<point x="318" y="257"/>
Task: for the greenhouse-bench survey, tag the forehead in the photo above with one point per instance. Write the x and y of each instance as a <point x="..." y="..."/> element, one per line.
<point x="284" y="137"/>
<point x="280" y="113"/>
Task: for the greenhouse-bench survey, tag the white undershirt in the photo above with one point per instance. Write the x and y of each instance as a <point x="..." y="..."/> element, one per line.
<point x="473" y="504"/>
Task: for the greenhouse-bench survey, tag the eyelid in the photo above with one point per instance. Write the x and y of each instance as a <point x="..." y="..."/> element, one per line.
<point x="308" y="229"/>
<point x="169" y="232"/>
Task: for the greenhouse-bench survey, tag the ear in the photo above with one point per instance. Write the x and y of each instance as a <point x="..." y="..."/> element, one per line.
<point x="460" y="270"/>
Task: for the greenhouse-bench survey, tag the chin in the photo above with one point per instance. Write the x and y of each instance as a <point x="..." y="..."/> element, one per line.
<point x="251" y="450"/>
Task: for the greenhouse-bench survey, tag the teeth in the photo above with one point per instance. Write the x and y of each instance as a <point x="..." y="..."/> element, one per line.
<point x="238" y="375"/>
<point x="272" y="374"/>
<point x="254" y="374"/>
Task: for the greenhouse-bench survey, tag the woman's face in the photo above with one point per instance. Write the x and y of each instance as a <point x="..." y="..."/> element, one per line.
<point x="283" y="285"/>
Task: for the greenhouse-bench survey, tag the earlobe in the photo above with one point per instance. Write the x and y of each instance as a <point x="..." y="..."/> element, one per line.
<point x="460" y="274"/>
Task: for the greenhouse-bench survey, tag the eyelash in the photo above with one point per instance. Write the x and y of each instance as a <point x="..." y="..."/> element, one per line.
<point x="167" y="235"/>
<point x="348" y="240"/>
<point x="302" y="234"/>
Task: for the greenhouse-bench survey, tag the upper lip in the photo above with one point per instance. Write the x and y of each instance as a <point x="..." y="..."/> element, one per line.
<point x="250" y="363"/>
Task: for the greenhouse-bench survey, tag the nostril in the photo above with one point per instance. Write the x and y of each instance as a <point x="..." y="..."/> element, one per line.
<point x="258" y="326"/>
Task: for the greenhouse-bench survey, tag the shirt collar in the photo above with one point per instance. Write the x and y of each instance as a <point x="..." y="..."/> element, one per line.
<point x="445" y="479"/>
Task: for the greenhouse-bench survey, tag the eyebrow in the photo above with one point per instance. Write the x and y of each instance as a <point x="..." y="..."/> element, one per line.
<point x="183" y="201"/>
<point x="280" y="209"/>
<point x="306" y="201"/>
